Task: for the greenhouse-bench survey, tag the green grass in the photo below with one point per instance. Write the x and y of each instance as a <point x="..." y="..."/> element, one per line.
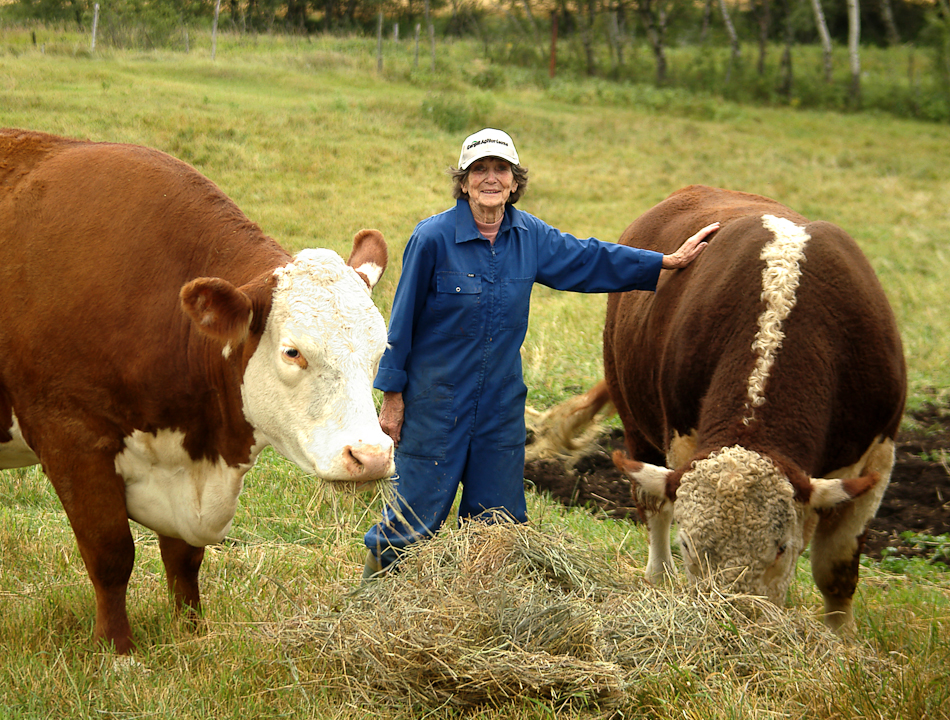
<point x="313" y="145"/>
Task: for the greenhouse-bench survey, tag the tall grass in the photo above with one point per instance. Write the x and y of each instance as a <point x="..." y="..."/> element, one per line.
<point x="313" y="144"/>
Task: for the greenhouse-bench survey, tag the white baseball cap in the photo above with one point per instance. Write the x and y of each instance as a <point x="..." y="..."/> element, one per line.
<point x="487" y="143"/>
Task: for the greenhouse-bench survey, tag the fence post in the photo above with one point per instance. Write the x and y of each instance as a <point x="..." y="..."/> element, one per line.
<point x="95" y="27"/>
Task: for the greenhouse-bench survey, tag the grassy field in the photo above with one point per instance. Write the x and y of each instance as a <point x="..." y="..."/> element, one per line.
<point x="314" y="144"/>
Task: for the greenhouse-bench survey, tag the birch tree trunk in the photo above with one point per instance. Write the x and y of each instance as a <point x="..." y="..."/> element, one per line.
<point x="854" y="38"/>
<point x="587" y="34"/>
<point x="887" y="15"/>
<point x="431" y="36"/>
<point x="653" y="14"/>
<point x="534" y="25"/>
<point x="786" y="63"/>
<point x="764" y="19"/>
<point x="707" y="13"/>
<point x="733" y="38"/>
<point x="825" y="36"/>
<point x="615" y="36"/>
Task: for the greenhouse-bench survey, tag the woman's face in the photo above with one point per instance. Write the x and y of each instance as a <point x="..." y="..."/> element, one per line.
<point x="489" y="184"/>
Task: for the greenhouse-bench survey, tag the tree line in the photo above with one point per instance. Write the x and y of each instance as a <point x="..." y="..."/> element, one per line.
<point x="601" y="35"/>
<point x="883" y="22"/>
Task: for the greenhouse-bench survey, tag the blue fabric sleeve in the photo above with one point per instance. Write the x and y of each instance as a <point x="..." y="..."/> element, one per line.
<point x="589" y="265"/>
<point x="418" y="264"/>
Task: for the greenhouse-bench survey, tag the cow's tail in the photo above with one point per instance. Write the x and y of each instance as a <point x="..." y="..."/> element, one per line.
<point x="567" y="428"/>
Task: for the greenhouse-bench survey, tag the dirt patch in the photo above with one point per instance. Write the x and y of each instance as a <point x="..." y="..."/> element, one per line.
<point x="917" y="499"/>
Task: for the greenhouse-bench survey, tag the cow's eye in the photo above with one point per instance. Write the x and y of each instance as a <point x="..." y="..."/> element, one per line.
<point x="293" y="356"/>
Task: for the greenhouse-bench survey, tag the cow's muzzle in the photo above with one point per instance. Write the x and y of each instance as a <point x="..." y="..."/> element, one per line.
<point x="366" y="462"/>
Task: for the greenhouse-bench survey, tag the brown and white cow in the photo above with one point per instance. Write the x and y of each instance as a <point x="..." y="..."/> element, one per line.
<point x="153" y="341"/>
<point x="770" y="377"/>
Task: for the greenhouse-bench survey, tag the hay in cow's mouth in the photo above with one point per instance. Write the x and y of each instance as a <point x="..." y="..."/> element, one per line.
<point x="492" y="612"/>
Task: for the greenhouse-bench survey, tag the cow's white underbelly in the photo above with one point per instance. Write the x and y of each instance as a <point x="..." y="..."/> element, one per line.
<point x="174" y="495"/>
<point x="16" y="453"/>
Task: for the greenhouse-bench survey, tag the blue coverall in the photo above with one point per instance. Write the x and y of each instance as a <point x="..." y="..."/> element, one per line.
<point x="459" y="318"/>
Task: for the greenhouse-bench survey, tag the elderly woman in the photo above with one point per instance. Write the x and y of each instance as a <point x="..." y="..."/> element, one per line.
<point x="454" y="397"/>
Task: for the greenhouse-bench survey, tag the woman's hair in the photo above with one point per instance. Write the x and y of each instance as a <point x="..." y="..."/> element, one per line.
<point x="520" y="174"/>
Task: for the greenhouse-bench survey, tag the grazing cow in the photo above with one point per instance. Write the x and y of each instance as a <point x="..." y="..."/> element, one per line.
<point x="153" y="341"/>
<point x="770" y="376"/>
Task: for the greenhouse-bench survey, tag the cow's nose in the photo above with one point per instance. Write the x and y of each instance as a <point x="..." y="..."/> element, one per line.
<point x="369" y="462"/>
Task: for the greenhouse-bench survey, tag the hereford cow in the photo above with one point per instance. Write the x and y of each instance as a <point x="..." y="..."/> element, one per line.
<point x="770" y="376"/>
<point x="153" y="341"/>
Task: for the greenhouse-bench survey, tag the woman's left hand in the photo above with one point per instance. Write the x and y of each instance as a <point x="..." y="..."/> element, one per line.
<point x="690" y="249"/>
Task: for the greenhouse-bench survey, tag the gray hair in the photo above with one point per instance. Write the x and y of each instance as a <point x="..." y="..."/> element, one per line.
<point x="460" y="176"/>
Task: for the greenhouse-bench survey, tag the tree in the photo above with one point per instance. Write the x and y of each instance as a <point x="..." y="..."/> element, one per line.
<point x="825" y="36"/>
<point x="762" y="10"/>
<point x="854" y="39"/>
<point x="887" y="15"/>
<point x="786" y="63"/>
<point x="431" y="36"/>
<point x="707" y="14"/>
<point x="733" y="38"/>
<point x="653" y="14"/>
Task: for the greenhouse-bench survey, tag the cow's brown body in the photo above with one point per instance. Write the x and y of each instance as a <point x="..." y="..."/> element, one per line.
<point x="818" y="393"/>
<point x="133" y="294"/>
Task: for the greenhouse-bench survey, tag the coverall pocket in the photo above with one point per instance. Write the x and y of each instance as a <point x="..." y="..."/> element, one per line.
<point x="428" y="422"/>
<point x="516" y="299"/>
<point x="510" y="412"/>
<point x="457" y="299"/>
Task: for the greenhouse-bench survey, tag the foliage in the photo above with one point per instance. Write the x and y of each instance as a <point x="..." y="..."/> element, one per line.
<point x="453" y="113"/>
<point x="935" y="547"/>
<point x="937" y="34"/>
<point x="595" y="40"/>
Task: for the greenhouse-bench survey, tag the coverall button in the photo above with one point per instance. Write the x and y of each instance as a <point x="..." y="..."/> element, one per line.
<point x="458" y="289"/>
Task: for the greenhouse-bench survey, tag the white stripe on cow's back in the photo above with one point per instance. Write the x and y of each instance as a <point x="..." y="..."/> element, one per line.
<point x="780" y="278"/>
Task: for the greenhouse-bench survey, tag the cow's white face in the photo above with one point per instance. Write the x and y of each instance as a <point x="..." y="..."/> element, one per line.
<point x="739" y="524"/>
<point x="307" y="388"/>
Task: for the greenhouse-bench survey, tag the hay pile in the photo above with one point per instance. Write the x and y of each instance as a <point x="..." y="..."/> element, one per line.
<point x="493" y="612"/>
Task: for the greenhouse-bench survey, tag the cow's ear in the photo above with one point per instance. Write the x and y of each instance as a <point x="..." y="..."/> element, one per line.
<point x="218" y="309"/>
<point x="829" y="493"/>
<point x="369" y="256"/>
<point x="655" y="481"/>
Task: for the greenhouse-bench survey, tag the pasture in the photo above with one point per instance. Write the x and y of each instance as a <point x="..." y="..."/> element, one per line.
<point x="313" y="144"/>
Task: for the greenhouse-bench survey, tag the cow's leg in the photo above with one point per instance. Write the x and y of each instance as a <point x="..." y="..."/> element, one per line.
<point x="94" y="500"/>
<point x="182" y="563"/>
<point x="839" y="538"/>
<point x="660" y="561"/>
<point x="648" y="484"/>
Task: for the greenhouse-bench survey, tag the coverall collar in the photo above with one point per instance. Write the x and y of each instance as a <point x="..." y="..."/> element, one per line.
<point x="465" y="229"/>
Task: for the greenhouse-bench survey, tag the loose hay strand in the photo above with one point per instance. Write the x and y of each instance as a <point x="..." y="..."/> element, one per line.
<point x="493" y="612"/>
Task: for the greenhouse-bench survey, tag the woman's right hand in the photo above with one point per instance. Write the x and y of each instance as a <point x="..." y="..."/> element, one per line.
<point x="391" y="415"/>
